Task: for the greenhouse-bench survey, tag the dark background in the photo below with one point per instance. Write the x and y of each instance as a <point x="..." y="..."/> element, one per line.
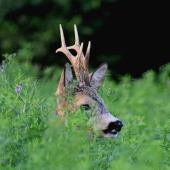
<point x="131" y="36"/>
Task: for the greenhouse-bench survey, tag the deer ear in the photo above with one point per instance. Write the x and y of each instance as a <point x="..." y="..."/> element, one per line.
<point x="97" y="77"/>
<point x="66" y="80"/>
<point x="68" y="77"/>
<point x="60" y="89"/>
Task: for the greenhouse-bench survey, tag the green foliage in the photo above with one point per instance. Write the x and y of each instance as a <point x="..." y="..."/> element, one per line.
<point x="33" y="137"/>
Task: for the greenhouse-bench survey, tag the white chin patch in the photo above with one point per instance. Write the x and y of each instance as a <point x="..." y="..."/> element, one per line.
<point x="110" y="135"/>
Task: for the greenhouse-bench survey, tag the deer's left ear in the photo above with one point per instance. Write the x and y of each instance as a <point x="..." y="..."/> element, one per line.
<point x="97" y="77"/>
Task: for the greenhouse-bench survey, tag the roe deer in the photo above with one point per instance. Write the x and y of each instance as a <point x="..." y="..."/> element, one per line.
<point x="85" y="93"/>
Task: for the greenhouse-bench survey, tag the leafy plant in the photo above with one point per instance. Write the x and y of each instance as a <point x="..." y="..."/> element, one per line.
<point x="32" y="136"/>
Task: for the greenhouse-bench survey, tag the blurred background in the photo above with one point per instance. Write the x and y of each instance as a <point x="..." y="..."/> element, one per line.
<point x="131" y="36"/>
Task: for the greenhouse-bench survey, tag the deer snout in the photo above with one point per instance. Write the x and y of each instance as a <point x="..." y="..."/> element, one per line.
<point x="114" y="127"/>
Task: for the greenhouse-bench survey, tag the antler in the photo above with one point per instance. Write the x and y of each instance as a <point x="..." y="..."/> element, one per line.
<point x="83" y="60"/>
<point x="79" y="58"/>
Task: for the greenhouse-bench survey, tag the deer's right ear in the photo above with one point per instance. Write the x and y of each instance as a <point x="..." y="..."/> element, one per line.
<point x="66" y="80"/>
<point x="97" y="77"/>
<point x="68" y="77"/>
<point x="60" y="89"/>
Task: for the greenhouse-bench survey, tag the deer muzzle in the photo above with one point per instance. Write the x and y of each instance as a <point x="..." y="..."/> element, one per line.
<point x="112" y="129"/>
<point x="108" y="124"/>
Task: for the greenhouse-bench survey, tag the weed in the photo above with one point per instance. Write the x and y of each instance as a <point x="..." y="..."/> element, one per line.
<point x="32" y="137"/>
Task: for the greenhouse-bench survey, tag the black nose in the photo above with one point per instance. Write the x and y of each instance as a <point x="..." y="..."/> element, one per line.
<point x="119" y="123"/>
<point x="114" y="126"/>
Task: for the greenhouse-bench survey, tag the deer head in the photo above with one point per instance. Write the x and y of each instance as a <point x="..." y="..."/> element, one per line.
<point x="85" y="93"/>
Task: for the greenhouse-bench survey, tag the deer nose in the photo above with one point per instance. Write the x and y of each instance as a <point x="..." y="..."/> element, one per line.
<point x="114" y="127"/>
<point x="118" y="125"/>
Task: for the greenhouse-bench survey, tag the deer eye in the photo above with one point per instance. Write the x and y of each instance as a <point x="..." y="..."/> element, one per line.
<point x="86" y="106"/>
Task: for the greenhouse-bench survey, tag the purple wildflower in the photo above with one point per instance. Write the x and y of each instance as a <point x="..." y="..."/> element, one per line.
<point x="78" y="127"/>
<point x="1" y="69"/>
<point x="3" y="64"/>
<point x="18" y="89"/>
<point x="56" y="114"/>
<point x="4" y="161"/>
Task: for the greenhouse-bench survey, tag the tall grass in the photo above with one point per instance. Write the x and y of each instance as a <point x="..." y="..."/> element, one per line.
<point x="32" y="136"/>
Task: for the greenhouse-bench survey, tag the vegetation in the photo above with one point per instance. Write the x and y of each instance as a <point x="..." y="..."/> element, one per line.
<point x="32" y="136"/>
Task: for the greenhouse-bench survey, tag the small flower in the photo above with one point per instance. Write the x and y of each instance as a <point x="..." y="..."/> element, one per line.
<point x="18" y="89"/>
<point x="78" y="127"/>
<point x="3" y="63"/>
<point x="4" y="161"/>
<point x="90" y="137"/>
<point x="56" y="114"/>
<point x="1" y="69"/>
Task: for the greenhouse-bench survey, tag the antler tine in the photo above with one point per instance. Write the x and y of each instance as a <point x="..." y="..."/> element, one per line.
<point x="76" y="35"/>
<point x="88" y="50"/>
<point x="84" y="63"/>
<point x="63" y="46"/>
<point x="80" y="50"/>
<point x="80" y="83"/>
<point x="63" y="43"/>
<point x="76" y="45"/>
